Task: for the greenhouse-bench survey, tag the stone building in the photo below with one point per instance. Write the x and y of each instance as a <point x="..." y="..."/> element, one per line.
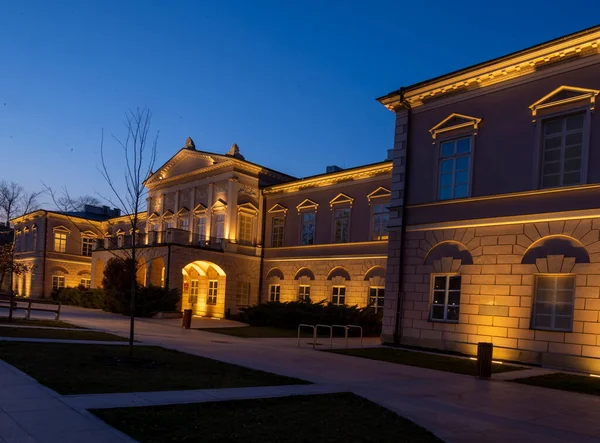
<point x="228" y="233"/>
<point x="495" y="207"/>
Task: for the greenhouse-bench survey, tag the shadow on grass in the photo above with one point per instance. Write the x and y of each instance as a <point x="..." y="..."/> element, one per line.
<point x="91" y="369"/>
<point x="564" y="382"/>
<point x="324" y="418"/>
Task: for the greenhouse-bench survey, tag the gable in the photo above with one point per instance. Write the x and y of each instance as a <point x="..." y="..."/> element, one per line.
<point x="455" y="121"/>
<point x="380" y="192"/>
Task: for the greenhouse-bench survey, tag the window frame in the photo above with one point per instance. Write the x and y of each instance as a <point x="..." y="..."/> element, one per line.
<point x="374" y="235"/>
<point x="281" y="227"/>
<point x="85" y="282"/>
<point x="535" y="302"/>
<point x="314" y="234"/>
<point x="242" y="293"/>
<point x="340" y="288"/>
<point x="248" y="219"/>
<point x="275" y="292"/>
<point x="454" y="136"/>
<point x="377" y="297"/>
<point x="432" y="290"/>
<point x="539" y="141"/>
<point x="193" y="291"/>
<point x="213" y="292"/>
<point x="90" y="242"/>
<point x="216" y="222"/>
<point x="58" y="279"/>
<point x="335" y="209"/>
<point x="303" y="294"/>
<point x="62" y="241"/>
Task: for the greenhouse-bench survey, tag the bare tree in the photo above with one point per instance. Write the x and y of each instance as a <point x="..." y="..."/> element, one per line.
<point x="77" y="204"/>
<point x="14" y="201"/>
<point x="139" y="152"/>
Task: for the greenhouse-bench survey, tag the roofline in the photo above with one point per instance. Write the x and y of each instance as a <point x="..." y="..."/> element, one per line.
<point x="143" y="214"/>
<point x="490" y="62"/>
<point x="327" y="175"/>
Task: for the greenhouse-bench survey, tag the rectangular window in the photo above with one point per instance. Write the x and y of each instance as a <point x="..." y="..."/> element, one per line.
<point x="184" y="223"/>
<point x="338" y="295"/>
<point x="219" y="226"/>
<point x="169" y="223"/>
<point x="212" y="292"/>
<point x="445" y="303"/>
<point x="242" y="293"/>
<point x="304" y="292"/>
<point x="201" y="225"/>
<point x="562" y="151"/>
<point x="86" y="283"/>
<point x="154" y="227"/>
<point x="58" y="282"/>
<point x="87" y="246"/>
<point x="274" y="292"/>
<point x="308" y="228"/>
<point x="277" y="232"/>
<point x="455" y="164"/>
<point x="245" y="228"/>
<point x="554" y="300"/>
<point x="381" y="216"/>
<point x="194" y="289"/>
<point x="342" y="225"/>
<point x="376" y="297"/>
<point x="60" y="242"/>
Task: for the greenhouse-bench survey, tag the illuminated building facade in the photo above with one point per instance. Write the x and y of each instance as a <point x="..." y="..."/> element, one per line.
<point x="495" y="210"/>
<point x="227" y="233"/>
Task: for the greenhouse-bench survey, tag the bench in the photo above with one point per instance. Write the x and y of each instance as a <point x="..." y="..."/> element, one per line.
<point x="28" y="304"/>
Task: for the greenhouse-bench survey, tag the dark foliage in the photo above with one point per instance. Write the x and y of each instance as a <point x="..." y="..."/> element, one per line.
<point x="289" y="315"/>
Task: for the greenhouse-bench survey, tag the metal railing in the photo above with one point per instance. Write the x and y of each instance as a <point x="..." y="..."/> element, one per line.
<point x="315" y="329"/>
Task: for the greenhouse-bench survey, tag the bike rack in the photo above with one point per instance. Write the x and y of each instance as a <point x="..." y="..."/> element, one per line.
<point x="330" y="333"/>
<point x="361" y="333"/>
<point x="314" y="329"/>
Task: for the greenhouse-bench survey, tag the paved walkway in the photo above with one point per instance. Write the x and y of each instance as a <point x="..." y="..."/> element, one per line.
<point x="457" y="408"/>
<point x="32" y="413"/>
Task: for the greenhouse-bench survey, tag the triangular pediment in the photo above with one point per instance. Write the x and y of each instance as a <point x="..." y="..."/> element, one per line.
<point x="120" y="232"/>
<point x="184" y="162"/>
<point x="564" y="95"/>
<point x="62" y="228"/>
<point x="219" y="205"/>
<point x="455" y="121"/>
<point x="247" y="207"/>
<point x="341" y="198"/>
<point x="200" y="208"/>
<point x="307" y="204"/>
<point x="379" y="193"/>
<point x="183" y="210"/>
<point x="277" y="208"/>
<point x="89" y="234"/>
<point x="154" y="216"/>
<point x="167" y="213"/>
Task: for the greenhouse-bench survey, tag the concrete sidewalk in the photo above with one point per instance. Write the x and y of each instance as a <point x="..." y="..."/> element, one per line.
<point x="457" y="408"/>
<point x="32" y="413"/>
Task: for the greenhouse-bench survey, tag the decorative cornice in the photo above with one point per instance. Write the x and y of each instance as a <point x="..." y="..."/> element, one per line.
<point x="497" y="71"/>
<point x="354" y="174"/>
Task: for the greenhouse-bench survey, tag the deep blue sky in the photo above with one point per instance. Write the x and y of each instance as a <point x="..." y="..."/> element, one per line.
<point x="293" y="84"/>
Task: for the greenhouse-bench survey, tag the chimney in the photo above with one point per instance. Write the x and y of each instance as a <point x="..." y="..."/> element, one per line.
<point x="332" y="168"/>
<point x="390" y="154"/>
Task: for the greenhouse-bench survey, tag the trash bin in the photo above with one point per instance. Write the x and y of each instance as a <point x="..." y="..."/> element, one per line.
<point x="227" y="313"/>
<point x="484" y="359"/>
<point x="187" y="319"/>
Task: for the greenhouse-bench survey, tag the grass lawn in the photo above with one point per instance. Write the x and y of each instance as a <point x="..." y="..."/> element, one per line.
<point x="564" y="382"/>
<point x="92" y="369"/>
<point x="41" y="323"/>
<point x="57" y="334"/>
<point x="325" y="418"/>
<point x="423" y="360"/>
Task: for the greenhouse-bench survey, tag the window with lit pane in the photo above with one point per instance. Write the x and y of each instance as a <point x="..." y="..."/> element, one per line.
<point x="60" y="242"/>
<point x="445" y="302"/>
<point x="213" y="289"/>
<point x="245" y="228"/>
<point x="554" y="301"/>
<point x="304" y="292"/>
<point x="455" y="164"/>
<point x="562" y="151"/>
<point x="194" y="289"/>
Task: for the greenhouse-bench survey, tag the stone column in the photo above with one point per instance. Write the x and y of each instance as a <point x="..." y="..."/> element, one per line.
<point x="232" y="202"/>
<point x="191" y="214"/>
<point x="259" y="218"/>
<point x="209" y="203"/>
<point x="175" y="209"/>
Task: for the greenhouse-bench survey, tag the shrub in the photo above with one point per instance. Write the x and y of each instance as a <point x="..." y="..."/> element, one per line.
<point x="289" y="315"/>
<point x="80" y="296"/>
